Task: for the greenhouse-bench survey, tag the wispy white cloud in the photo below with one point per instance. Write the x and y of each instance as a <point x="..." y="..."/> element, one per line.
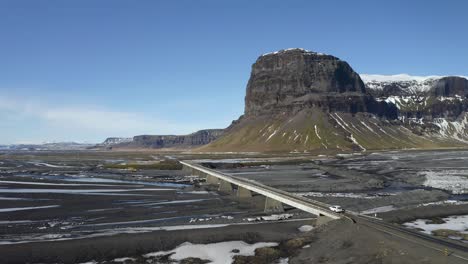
<point x="79" y="123"/>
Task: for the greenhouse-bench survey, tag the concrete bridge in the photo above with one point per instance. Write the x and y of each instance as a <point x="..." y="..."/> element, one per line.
<point x="275" y="198"/>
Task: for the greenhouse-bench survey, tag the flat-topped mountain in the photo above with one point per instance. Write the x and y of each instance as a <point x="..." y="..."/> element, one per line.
<point x="299" y="100"/>
<point x="196" y="139"/>
<point x="291" y="79"/>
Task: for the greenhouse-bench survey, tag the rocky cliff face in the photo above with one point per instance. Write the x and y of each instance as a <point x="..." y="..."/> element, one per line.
<point x="298" y="100"/>
<point x="196" y="139"/>
<point x="294" y="79"/>
<point x="435" y="105"/>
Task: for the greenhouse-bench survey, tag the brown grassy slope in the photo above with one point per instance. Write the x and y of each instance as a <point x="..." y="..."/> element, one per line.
<point x="312" y="130"/>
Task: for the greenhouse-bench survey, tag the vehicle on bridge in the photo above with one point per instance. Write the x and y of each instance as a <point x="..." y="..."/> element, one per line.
<point x="336" y="209"/>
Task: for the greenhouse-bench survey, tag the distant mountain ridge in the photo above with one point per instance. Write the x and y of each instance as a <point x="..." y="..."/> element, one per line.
<point x="116" y="140"/>
<point x="196" y="139"/>
<point x="47" y="146"/>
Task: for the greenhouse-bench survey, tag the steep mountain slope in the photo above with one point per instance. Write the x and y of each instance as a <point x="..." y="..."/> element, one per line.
<point x="435" y="103"/>
<point x="298" y="100"/>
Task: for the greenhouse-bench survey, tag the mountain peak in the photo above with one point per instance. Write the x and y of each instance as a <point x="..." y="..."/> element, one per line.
<point x="293" y="50"/>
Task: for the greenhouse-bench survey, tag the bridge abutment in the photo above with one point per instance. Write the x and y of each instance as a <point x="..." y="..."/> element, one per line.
<point x="273" y="206"/>
<point x="322" y="219"/>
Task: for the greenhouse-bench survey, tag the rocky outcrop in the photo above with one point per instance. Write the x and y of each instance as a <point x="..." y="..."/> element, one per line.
<point x="288" y="80"/>
<point x="295" y="79"/>
<point x="196" y="139"/>
<point x="451" y="87"/>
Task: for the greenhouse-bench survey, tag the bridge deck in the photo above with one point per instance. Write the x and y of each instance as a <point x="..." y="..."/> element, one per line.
<point x="299" y="202"/>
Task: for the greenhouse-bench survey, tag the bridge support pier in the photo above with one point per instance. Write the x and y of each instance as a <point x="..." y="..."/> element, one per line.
<point x="322" y="219"/>
<point x="273" y="206"/>
<point x="190" y="171"/>
<point x="212" y="180"/>
<point x="186" y="169"/>
<point x="225" y="187"/>
<point x="243" y="193"/>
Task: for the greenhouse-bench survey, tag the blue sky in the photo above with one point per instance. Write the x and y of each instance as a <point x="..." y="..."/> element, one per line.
<point x="84" y="70"/>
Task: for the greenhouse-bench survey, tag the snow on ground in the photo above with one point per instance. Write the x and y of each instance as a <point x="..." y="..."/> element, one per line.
<point x="14" y="199"/>
<point x="356" y="142"/>
<point x="179" y="201"/>
<point x="114" y="231"/>
<point x="305" y="228"/>
<point x="274" y="217"/>
<point x="105" y="209"/>
<point x="196" y="192"/>
<point x="43" y="164"/>
<point x="2" y="210"/>
<point x="381" y="209"/>
<point x="455" y="181"/>
<point x="217" y="253"/>
<point x="16" y="222"/>
<point x="76" y="191"/>
<point x="316" y="132"/>
<point x="101" y="233"/>
<point x="345" y="195"/>
<point x="453" y="129"/>
<point x="54" y="184"/>
<point x="123" y="259"/>
<point x="83" y="178"/>
<point x="225" y="217"/>
<point x="457" y="223"/>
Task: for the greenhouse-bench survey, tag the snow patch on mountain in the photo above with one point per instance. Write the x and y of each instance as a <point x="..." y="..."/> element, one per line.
<point x="453" y="129"/>
<point x="397" y="78"/>
<point x="116" y="140"/>
<point x="291" y="49"/>
<point x="412" y="84"/>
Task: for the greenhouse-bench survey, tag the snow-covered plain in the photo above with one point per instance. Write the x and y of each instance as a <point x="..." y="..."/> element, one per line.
<point x="457" y="223"/>
<point x="217" y="253"/>
<point x="455" y="181"/>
